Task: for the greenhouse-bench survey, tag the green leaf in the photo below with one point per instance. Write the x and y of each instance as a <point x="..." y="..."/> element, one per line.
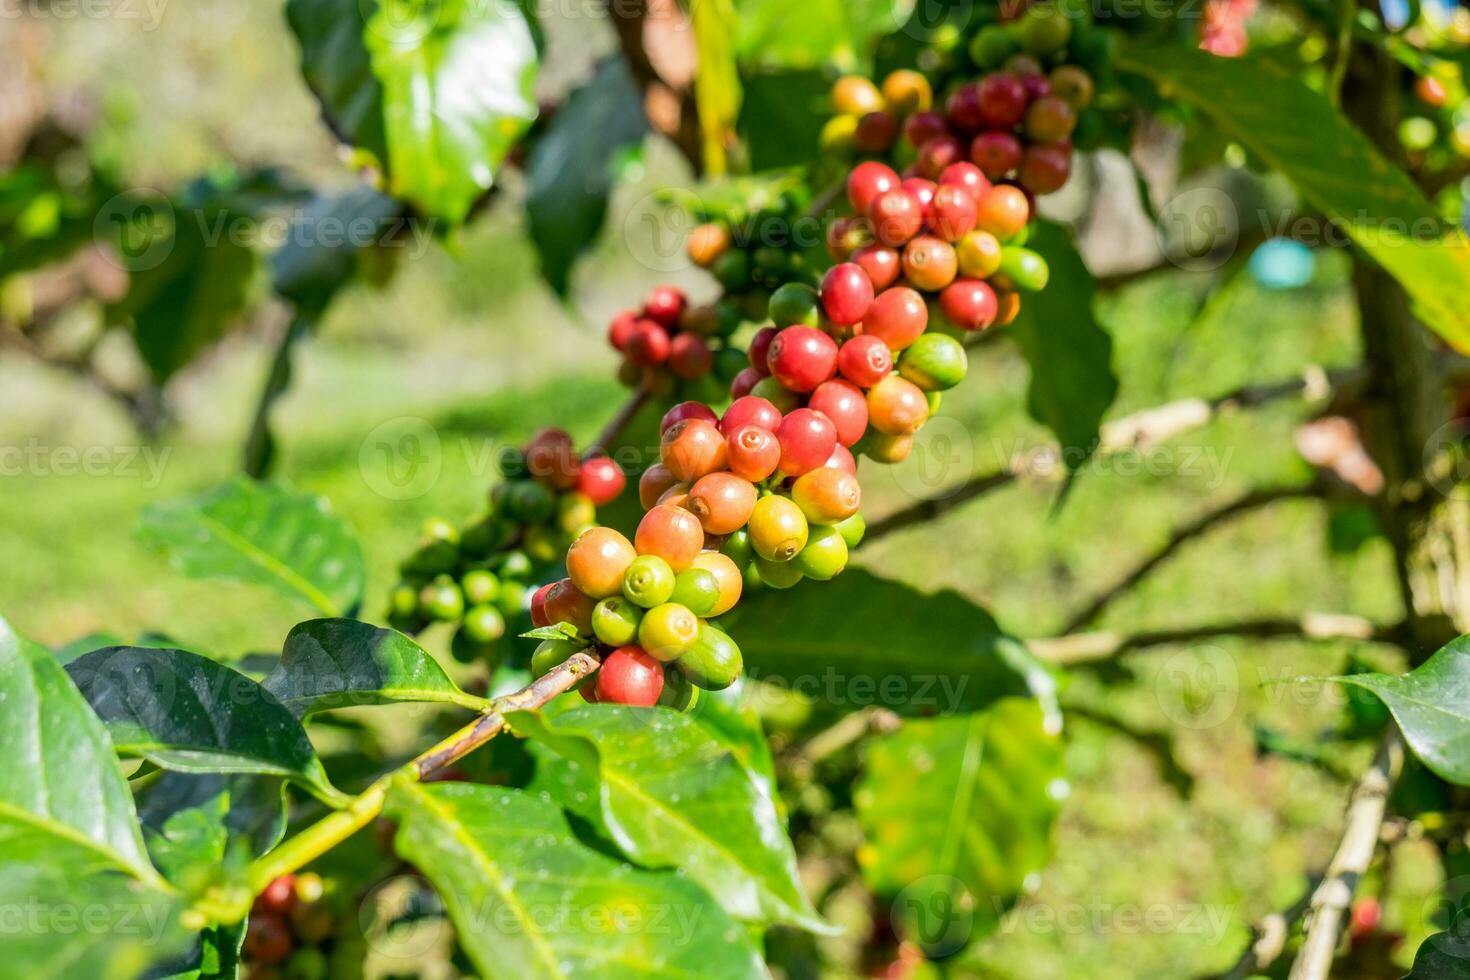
<point x="215" y="956"/>
<point x="717" y="91"/>
<point x="60" y="780"/>
<point x="263" y="534"/>
<point x="1432" y="706"/>
<point x="738" y="727"/>
<point x="556" y="631"/>
<point x="1070" y="355"/>
<point x="321" y="255"/>
<point x="529" y="900"/>
<point x="1266" y="108"/>
<point x="201" y="828"/>
<point x="185" y="712"/>
<point x="782" y="34"/>
<point x="782" y="115"/>
<point x="337" y="67"/>
<point x="570" y="167"/>
<point x="341" y="663"/>
<point x="958" y="813"/>
<point x="862" y="640"/>
<point x="458" y="79"/>
<point x="673" y="796"/>
<point x="1442" y="956"/>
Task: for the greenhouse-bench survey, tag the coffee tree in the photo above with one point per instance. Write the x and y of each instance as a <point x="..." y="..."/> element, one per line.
<point x="607" y="801"/>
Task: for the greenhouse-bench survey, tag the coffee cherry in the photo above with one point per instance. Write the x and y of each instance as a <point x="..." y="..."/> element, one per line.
<point x="938" y="153"/>
<point x="992" y="45"/>
<point x="551" y="654"/>
<point x="667" y="630"/>
<point x="964" y="174"/>
<point x="690" y="356"/>
<point x="897" y="317"/>
<point x="929" y="263"/>
<point x="278" y="897"/>
<point x="653" y="483"/>
<point x="1023" y="66"/>
<point x="676" y="495"/>
<point x="679" y="694"/>
<point x="854" y="95"/>
<point x="664" y="304"/>
<point x="728" y="581"/>
<point x="732" y="270"/>
<point x="267" y="939"/>
<point x="922" y="189"/>
<point x="922" y="127"/>
<point x="1002" y="101"/>
<point x="897" y="216"/>
<point x="777" y="574"/>
<point x="542" y="543"/>
<point x="737" y="547"/>
<point x="978" y="254"/>
<point x="722" y="502"/>
<point x="575" y="513"/>
<point x="962" y="110"/>
<point x="713" y="662"/>
<point x="441" y="599"/>
<point x="802" y="358"/>
<point x="1073" y="84"/>
<point x="866" y="181"/>
<point x="538" y="605"/>
<point x="848" y="233"/>
<point x="827" y="495"/>
<point x="952" y="212"/>
<point x="1044" y="29"/>
<point x="864" y="360"/>
<point x="907" y="91"/>
<point x="825" y="554"/>
<point x="749" y="410"/>
<point x="875" y="132"/>
<point x="880" y="262"/>
<point x="752" y="453"/>
<point x="996" y="154"/>
<point x="969" y="304"/>
<point x="794" y="304"/>
<point x="842" y="459"/>
<point x="514" y="597"/>
<point x="744" y="382"/>
<point x="597" y="561"/>
<point x="1045" y="168"/>
<point x="760" y="349"/>
<point x="551" y="458"/>
<point x="691" y="448"/>
<point x="896" y="406"/>
<point x="615" y="620"/>
<point x="936" y="362"/>
<point x="707" y="243"/>
<point x="1024" y="269"/>
<point x="843" y="404"/>
<point x="696" y="589"/>
<point x="649" y="344"/>
<point x="852" y="530"/>
<point x="777" y="394"/>
<point x="565" y="603"/>
<point x="778" y="529"/>
<point x="483" y="624"/>
<point x="479" y="585"/>
<point x="649" y="581"/>
<point x="1050" y="119"/>
<point x="601" y="480"/>
<point x="883" y="447"/>
<point x="806" y="438"/>
<point x="672" y="534"/>
<point x="1430" y="91"/>
<point x="630" y="676"/>
<point x="620" y="331"/>
<point x="1004" y="211"/>
<point x="686" y="410"/>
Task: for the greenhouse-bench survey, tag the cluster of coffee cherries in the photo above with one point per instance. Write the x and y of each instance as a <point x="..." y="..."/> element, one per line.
<point x="669" y="344"/>
<point x="291" y="930"/>
<point x="479" y="576"/>
<point x="1017" y="123"/>
<point x="1435" y="133"/>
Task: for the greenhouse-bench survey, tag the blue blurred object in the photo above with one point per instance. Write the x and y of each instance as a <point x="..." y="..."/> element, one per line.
<point x="1395" y="13"/>
<point x="1282" y="263"/>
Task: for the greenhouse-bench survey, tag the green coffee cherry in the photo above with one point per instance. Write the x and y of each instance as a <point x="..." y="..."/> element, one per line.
<point x="737" y="547"/>
<point x="483" y="624"/>
<point x="480" y="586"/>
<point x="667" y="631"/>
<point x="852" y="530"/>
<point x="729" y="320"/>
<point x="575" y="513"/>
<point x="678" y="693"/>
<point x="529" y="502"/>
<point x="551" y="654"/>
<point x="698" y="589"/>
<point x="992" y="46"/>
<point x="825" y="554"/>
<point x="1027" y="269"/>
<point x="934" y="362"/>
<point x="732" y="270"/>
<point x="513" y="464"/>
<point x="512" y="598"/>
<point x="615" y="621"/>
<point x="438" y="529"/>
<point x="729" y="361"/>
<point x="513" y="564"/>
<point x="794" y="305"/>
<point x="778" y="574"/>
<point x="1045" y="29"/>
<point x="433" y="558"/>
<point x="932" y="399"/>
<point x="483" y="538"/>
<point x="543" y="544"/>
<point x="649" y="581"/>
<point x="441" y="600"/>
<point x="713" y="661"/>
<point x="403" y="601"/>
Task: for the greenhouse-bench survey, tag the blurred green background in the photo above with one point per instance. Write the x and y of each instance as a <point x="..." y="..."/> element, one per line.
<point x="468" y="337"/>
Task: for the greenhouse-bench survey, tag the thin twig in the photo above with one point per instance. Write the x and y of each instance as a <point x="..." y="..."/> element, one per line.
<point x="1269" y="937"/>
<point x="847" y="730"/>
<point x="1080" y="648"/>
<point x="619" y="422"/>
<point x="260" y="445"/>
<point x="1330" y="901"/>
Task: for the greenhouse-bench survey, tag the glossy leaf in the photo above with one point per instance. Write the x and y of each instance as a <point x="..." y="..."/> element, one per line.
<point x="778" y="33"/>
<point x="1442" y="956"/>
<point x="336" y="65"/>
<point x="321" y="255"/>
<point x="457" y="79"/>
<point x="262" y="534"/>
<point x="1070" y="355"/>
<point x="340" y="663"/>
<point x="738" y="727"/>
<point x="531" y="901"/>
<point x="1263" y="105"/>
<point x="848" y="649"/>
<point x="189" y="713"/>
<point x="1432" y="707"/>
<point x="673" y="796"/>
<point x="571" y="167"/>
<point x="202" y="827"/>
<point x="958" y="813"/>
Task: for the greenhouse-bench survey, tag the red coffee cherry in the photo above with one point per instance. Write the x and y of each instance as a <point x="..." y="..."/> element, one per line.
<point x="551" y="459"/>
<point x="847" y="292"/>
<point x="921" y="127"/>
<point x="1050" y="119"/>
<point x="1045" y="168"/>
<point x="760" y="346"/>
<point x="843" y="403"/>
<point x="868" y="180"/>
<point x="802" y="358"/>
<point x="897" y="406"/>
<point x="965" y="174"/>
<point x="664" y="304"/>
<point x="744" y="382"/>
<point x="929" y="263"/>
<point x="278" y="896"/>
<point x="1004" y="211"/>
<point x="686" y="410"/>
<point x="671" y="533"/>
<point x="692" y="448"/>
<point x="937" y="154"/>
<point x="876" y="132"/>
<point x="649" y="344"/>
<point x="601" y="480"/>
<point x="1002" y="100"/>
<point x="268" y="939"/>
<point x="969" y="304"/>
<point x="538" y="605"/>
<point x="963" y="111"/>
<point x="864" y="360"/>
<point x="630" y="676"/>
<point x="996" y="154"/>
<point x="922" y="188"/>
<point x="722" y="502"/>
<point x="880" y="262"/>
<point x="897" y="216"/>
<point x="1037" y="85"/>
<point x="690" y="356"/>
<point x="897" y="317"/>
<point x="750" y="410"/>
<point x="753" y="452"/>
<point x="620" y="331"/>
<point x="841" y="459"/>
<point x="565" y="603"/>
<point x="951" y="215"/>
<point x="807" y="438"/>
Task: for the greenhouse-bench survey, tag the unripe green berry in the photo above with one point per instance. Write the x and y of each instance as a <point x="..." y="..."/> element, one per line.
<point x="667" y="631"/>
<point x="575" y="513"/>
<point x="737" y="547"/>
<point x="934" y="362"/>
<point x="1027" y="269"/>
<point x="513" y="464"/>
<point x="512" y="598"/>
<point x="649" y="581"/>
<point x="679" y="692"/>
<point x="441" y="599"/>
<point x="483" y="624"/>
<point x="992" y="46"/>
<point x="438" y="529"/>
<point x="698" y="589"/>
<point x="479" y="586"/>
<point x="778" y="574"/>
<point x="403" y="601"/>
<point x="615" y="621"/>
<point x="825" y="554"/>
<point x="514" y="564"/>
<point x="433" y="558"/>
<point x="551" y="654"/>
<point x="852" y="530"/>
<point x="529" y="502"/>
<point x="713" y="661"/>
<point x="543" y="544"/>
<point x="794" y="305"/>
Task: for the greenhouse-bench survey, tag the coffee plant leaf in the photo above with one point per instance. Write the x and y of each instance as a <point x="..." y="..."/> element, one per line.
<point x="188" y="713"/>
<point x="782" y="116"/>
<point x="1265" y="107"/>
<point x="530" y="900"/>
<point x="457" y="84"/>
<point x="262" y="534"/>
<point x="336" y="66"/>
<point x="341" y="663"/>
<point x="320" y="255"/>
<point x="202" y="827"/>
<point x="780" y="34"/>
<point x="672" y="795"/>
<point x="958" y="813"/>
<point x="1442" y="956"/>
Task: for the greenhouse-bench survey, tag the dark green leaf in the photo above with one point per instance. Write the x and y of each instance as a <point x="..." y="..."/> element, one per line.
<point x="321" y="254"/>
<point x="958" y="813"/>
<point x="717" y="92"/>
<point x="673" y="796"/>
<point x="529" y="900"/>
<point x="202" y="827"/>
<point x="782" y="116"/>
<point x="782" y="34"/>
<point x="340" y="663"/>
<point x="1070" y="355"/>
<point x="265" y="535"/>
<point x="1444" y="955"/>
<point x="336" y="64"/>
<point x="1264" y="106"/>
<point x="458" y="80"/>
<point x="1432" y="706"/>
<point x="570" y="167"/>
<point x="862" y="640"/>
<point x="215" y="956"/>
<point x="189" y="713"/>
<point x="738" y="727"/>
